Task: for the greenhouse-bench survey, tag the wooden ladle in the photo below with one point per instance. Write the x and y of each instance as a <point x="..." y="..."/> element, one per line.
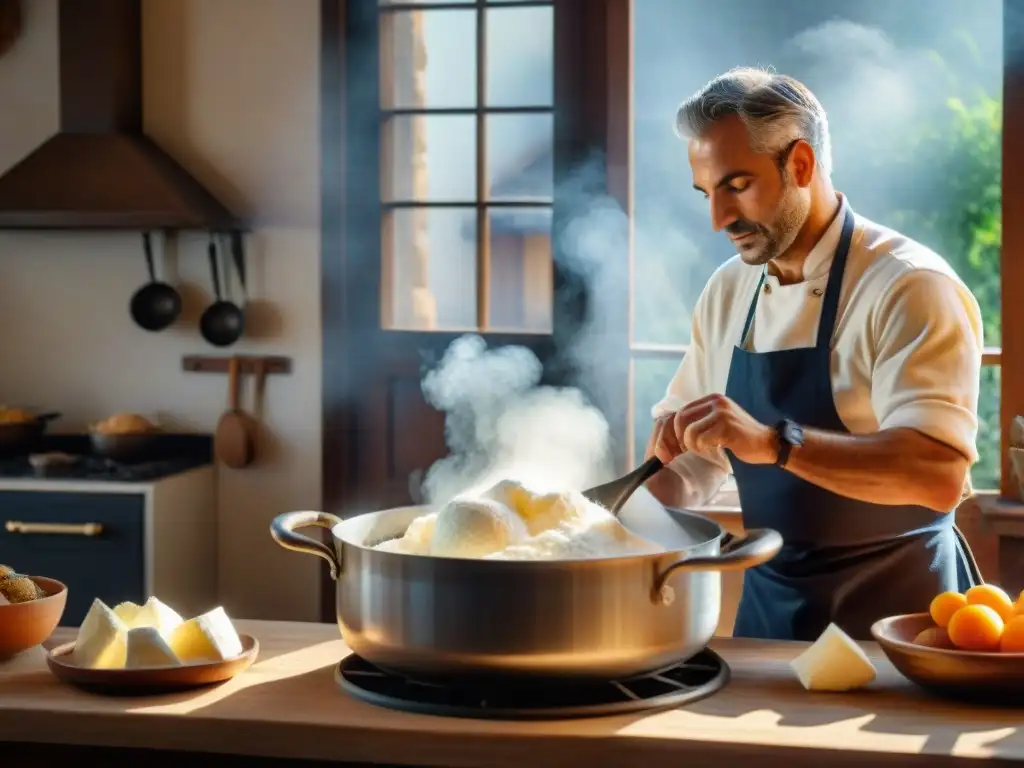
<point x="235" y="439"/>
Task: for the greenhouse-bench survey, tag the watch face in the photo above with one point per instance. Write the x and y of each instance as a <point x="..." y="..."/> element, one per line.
<point x="793" y="433"/>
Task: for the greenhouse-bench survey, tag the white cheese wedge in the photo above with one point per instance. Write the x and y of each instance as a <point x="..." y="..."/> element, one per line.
<point x="146" y="647"/>
<point x="157" y="615"/>
<point x="210" y="637"/>
<point x="834" y="662"/>
<point x="126" y="611"/>
<point x="101" y="641"/>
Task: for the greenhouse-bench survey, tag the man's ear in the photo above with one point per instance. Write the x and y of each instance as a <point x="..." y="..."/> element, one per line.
<point x="801" y="163"/>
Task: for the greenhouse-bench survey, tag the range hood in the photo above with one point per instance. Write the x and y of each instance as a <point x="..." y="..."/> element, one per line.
<point x="100" y="171"/>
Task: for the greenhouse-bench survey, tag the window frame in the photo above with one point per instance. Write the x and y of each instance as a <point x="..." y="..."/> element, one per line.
<point x="1011" y="260"/>
<point x="482" y="202"/>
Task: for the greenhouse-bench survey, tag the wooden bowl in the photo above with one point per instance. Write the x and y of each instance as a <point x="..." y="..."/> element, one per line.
<point x="26" y="625"/>
<point x="989" y="678"/>
<point x="148" y="680"/>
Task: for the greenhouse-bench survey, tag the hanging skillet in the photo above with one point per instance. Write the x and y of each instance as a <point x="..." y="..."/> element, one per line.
<point x="223" y="321"/>
<point x="156" y="305"/>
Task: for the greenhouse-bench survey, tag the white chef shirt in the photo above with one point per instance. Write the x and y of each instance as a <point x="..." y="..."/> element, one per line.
<point x="906" y="348"/>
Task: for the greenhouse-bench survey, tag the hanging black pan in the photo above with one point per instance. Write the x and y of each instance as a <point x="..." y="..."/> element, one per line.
<point x="223" y="321"/>
<point x="156" y="305"/>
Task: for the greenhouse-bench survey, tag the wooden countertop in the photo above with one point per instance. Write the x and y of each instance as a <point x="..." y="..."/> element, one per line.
<point x="288" y="706"/>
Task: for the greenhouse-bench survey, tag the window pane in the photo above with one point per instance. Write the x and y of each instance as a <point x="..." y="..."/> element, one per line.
<point x="428" y="59"/>
<point x="987" y="472"/>
<point x="520" y="56"/>
<point x="429" y="157"/>
<point x="429" y="269"/>
<point x="521" y="281"/>
<point x="913" y="91"/>
<point x="421" y="2"/>
<point x="651" y="376"/>
<point x="520" y="157"/>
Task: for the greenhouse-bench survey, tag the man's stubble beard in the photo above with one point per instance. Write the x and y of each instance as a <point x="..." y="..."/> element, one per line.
<point x="790" y="216"/>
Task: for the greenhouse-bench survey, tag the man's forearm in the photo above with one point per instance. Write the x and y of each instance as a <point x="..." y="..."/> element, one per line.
<point x="892" y="467"/>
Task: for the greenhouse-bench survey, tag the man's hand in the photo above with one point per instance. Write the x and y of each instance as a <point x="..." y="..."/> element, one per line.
<point x="714" y="422"/>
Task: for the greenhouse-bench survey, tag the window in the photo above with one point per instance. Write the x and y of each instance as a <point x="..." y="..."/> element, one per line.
<point x="914" y="92"/>
<point x="467" y="176"/>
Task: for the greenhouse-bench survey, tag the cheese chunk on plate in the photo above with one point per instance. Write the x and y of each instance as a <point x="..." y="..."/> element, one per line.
<point x="126" y="611"/>
<point x="158" y="615"/>
<point x="102" y="639"/>
<point x="834" y="662"/>
<point x="146" y="647"/>
<point x="206" y="638"/>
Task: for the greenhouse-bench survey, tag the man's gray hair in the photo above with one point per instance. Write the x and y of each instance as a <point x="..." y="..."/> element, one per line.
<point x="776" y="109"/>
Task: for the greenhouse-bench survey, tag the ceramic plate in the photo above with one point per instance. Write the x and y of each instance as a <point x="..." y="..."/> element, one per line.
<point x="145" y="680"/>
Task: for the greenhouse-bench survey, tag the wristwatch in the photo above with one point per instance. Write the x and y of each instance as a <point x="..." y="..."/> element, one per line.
<point x="790" y="435"/>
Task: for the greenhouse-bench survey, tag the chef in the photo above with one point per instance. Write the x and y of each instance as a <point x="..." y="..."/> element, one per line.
<point x="833" y="368"/>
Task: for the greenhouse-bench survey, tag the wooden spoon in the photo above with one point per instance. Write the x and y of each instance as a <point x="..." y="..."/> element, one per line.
<point x="234" y="441"/>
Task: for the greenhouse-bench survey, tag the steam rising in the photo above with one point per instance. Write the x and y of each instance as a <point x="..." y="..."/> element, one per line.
<point x="500" y="423"/>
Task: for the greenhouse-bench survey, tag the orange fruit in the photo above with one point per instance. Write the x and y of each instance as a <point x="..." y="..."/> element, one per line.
<point x="944" y="606"/>
<point x="1012" y="640"/>
<point x="975" y="628"/>
<point x="993" y="597"/>
<point x="934" y="637"/>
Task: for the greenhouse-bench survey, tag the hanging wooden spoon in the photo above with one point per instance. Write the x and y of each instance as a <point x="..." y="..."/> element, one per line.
<point x="235" y="439"/>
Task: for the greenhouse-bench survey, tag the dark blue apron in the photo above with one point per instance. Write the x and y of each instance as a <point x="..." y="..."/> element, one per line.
<point x="842" y="561"/>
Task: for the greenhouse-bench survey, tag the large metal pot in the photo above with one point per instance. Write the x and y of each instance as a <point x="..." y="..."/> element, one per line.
<point x="600" y="618"/>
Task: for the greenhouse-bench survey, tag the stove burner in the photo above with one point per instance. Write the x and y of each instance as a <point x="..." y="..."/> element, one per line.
<point x="704" y="674"/>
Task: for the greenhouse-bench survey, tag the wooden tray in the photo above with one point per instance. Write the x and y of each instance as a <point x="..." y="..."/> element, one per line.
<point x="143" y="681"/>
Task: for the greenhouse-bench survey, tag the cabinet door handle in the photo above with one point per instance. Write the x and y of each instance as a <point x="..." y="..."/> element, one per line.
<point x="59" y="529"/>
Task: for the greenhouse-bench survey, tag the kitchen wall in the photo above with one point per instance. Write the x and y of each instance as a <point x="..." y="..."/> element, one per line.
<point x="231" y="92"/>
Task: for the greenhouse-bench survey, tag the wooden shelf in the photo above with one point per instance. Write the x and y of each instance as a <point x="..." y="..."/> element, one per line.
<point x="246" y="364"/>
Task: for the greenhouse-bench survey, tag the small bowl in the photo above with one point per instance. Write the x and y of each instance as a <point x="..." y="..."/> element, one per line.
<point x="150" y="680"/>
<point x="989" y="678"/>
<point x="26" y="625"/>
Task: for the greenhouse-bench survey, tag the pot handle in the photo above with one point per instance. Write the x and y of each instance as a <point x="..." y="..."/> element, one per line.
<point x="282" y="530"/>
<point x="758" y="546"/>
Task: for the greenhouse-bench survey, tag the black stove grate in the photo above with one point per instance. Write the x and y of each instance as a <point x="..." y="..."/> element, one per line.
<point x="70" y="457"/>
<point x="688" y="681"/>
<point x="97" y="468"/>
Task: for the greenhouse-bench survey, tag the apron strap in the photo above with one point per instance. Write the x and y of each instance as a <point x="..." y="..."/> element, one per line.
<point x="830" y="304"/>
<point x="753" y="308"/>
